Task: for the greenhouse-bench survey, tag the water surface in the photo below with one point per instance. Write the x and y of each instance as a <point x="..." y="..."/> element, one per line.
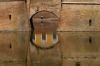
<point x="50" y="49"/>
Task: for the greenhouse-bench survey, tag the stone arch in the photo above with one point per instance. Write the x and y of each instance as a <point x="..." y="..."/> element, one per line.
<point x="44" y="14"/>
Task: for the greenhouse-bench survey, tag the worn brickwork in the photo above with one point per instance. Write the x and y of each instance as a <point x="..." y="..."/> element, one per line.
<point x="12" y="64"/>
<point x="13" y="46"/>
<point x="73" y="17"/>
<point x="41" y="57"/>
<point x="13" y="16"/>
<point x="80" y="18"/>
<point x="10" y="0"/>
<point x="49" y="5"/>
<point x="81" y="0"/>
<point x="81" y="63"/>
<point x="79" y="45"/>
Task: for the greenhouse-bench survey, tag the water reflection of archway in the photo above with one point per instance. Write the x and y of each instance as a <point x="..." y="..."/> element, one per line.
<point x="44" y="40"/>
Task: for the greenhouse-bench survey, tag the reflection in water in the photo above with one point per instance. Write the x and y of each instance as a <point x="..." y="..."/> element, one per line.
<point x="73" y="49"/>
<point x="80" y="48"/>
<point x="13" y="48"/>
<point x="44" y="40"/>
<point x="90" y="39"/>
<point x="44" y="49"/>
<point x="77" y="63"/>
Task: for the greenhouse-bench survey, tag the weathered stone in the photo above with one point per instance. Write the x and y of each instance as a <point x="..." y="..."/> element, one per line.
<point x="13" y="16"/>
<point x="13" y="46"/>
<point x="80" y="18"/>
<point x="49" y="5"/>
<point x="80" y="63"/>
<point x="43" y="57"/>
<point x="81" y="0"/>
<point x="79" y="44"/>
<point x="12" y="64"/>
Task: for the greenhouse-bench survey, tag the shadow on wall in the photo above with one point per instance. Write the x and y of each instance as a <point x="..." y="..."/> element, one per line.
<point x="31" y="23"/>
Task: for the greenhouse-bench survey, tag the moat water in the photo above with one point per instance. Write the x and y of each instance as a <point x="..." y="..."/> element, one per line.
<point x="50" y="49"/>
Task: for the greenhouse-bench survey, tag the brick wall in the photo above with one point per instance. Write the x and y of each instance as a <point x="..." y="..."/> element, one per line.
<point x="82" y="0"/>
<point x="80" y="16"/>
<point x="13" y="46"/>
<point x="49" y="5"/>
<point x="13" y="16"/>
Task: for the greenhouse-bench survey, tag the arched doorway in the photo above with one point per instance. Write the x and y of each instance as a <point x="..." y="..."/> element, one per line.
<point x="45" y="26"/>
<point x="44" y="20"/>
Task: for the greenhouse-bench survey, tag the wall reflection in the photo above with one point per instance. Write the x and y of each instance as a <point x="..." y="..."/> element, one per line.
<point x="13" y="48"/>
<point x="44" y="40"/>
<point x="45" y="49"/>
<point x="67" y="49"/>
<point x="80" y="48"/>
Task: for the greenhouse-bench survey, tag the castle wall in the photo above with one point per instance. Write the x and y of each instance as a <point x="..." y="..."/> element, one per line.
<point x="13" y="16"/>
<point x="49" y="5"/>
<point x="80" y="15"/>
<point x="81" y="0"/>
<point x="75" y="15"/>
<point x="80" y="18"/>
